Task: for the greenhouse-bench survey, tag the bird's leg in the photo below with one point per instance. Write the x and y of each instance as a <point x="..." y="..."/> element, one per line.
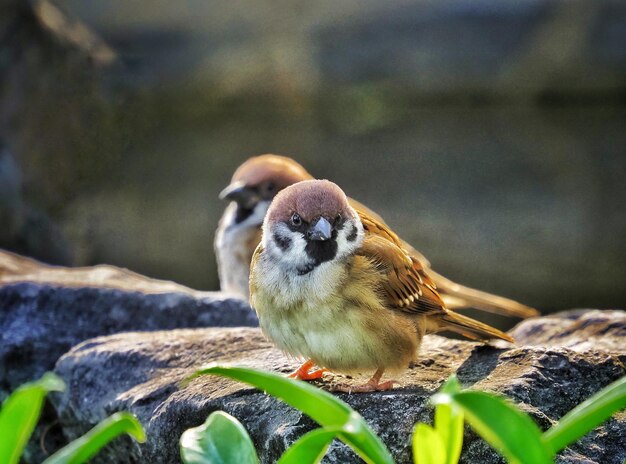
<point x="372" y="384"/>
<point x="304" y="372"/>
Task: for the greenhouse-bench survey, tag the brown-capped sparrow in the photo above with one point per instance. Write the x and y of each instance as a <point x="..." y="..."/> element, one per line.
<point x="254" y="185"/>
<point x="250" y="193"/>
<point x="333" y="285"/>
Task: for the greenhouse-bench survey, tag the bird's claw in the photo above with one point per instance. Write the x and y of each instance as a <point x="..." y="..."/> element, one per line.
<point x="304" y="372"/>
<point x="303" y="375"/>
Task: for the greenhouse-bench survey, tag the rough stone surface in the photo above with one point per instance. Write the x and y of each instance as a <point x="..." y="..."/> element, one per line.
<point x="556" y="365"/>
<point x="15" y="268"/>
<point x="44" y="311"/>
<point x="578" y="330"/>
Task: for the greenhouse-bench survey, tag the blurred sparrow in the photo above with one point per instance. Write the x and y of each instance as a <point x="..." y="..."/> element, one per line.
<point x="250" y="192"/>
<point x="333" y="285"/>
<point x="253" y="187"/>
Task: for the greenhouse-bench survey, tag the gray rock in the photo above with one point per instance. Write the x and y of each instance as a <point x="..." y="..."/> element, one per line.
<point x="44" y="312"/>
<point x="41" y="322"/>
<point x="142" y="372"/>
<point x="603" y="330"/>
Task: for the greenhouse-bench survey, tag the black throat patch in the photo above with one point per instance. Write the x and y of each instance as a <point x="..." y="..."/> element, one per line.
<point x="241" y="214"/>
<point x="322" y="250"/>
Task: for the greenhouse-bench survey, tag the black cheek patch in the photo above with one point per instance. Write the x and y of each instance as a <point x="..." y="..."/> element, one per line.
<point x="353" y="234"/>
<point x="283" y="242"/>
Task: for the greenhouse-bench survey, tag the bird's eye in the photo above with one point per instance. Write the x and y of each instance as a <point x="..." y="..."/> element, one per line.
<point x="338" y="218"/>
<point x="271" y="187"/>
<point x="296" y="220"/>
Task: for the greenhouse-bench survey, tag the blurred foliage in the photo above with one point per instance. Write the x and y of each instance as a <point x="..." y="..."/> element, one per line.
<point x="20" y="412"/>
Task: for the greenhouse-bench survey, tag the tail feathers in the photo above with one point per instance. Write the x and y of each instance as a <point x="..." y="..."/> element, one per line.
<point x="471" y="328"/>
<point x="457" y="296"/>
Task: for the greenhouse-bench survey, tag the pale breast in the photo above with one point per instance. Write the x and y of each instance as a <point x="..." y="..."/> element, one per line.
<point x="334" y="318"/>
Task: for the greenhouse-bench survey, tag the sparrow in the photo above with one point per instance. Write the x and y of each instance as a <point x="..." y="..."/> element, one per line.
<point x="252" y="188"/>
<point x="333" y="285"/>
<point x="250" y="192"/>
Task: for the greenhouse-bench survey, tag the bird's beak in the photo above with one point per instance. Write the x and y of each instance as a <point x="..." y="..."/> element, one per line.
<point x="233" y="191"/>
<point x="241" y="194"/>
<point x="320" y="230"/>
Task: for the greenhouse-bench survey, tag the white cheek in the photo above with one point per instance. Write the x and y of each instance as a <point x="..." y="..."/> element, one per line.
<point x="294" y="256"/>
<point x="258" y="214"/>
<point x="346" y="247"/>
<point x="252" y="221"/>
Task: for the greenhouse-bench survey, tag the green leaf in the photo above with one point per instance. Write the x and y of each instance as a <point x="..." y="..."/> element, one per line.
<point x="311" y="447"/>
<point x="451" y="385"/>
<point x="501" y="424"/>
<point x="83" y="448"/>
<point x="20" y="413"/>
<point x="428" y="446"/>
<point x="586" y="416"/>
<point x="220" y="440"/>
<point x="449" y="423"/>
<point x="321" y="406"/>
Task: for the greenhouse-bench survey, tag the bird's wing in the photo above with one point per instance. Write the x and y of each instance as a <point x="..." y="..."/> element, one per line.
<point x="364" y="210"/>
<point x="455" y="295"/>
<point x="408" y="289"/>
<point x="374" y="223"/>
<point x="406" y="286"/>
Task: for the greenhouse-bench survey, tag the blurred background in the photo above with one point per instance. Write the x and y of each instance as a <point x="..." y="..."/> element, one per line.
<point x="491" y="134"/>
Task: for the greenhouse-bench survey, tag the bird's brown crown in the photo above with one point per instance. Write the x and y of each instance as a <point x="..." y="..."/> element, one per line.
<point x="310" y="199"/>
<point x="281" y="170"/>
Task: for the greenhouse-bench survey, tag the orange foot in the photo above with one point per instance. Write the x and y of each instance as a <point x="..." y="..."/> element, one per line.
<point x="304" y="372"/>
<point x="372" y="385"/>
